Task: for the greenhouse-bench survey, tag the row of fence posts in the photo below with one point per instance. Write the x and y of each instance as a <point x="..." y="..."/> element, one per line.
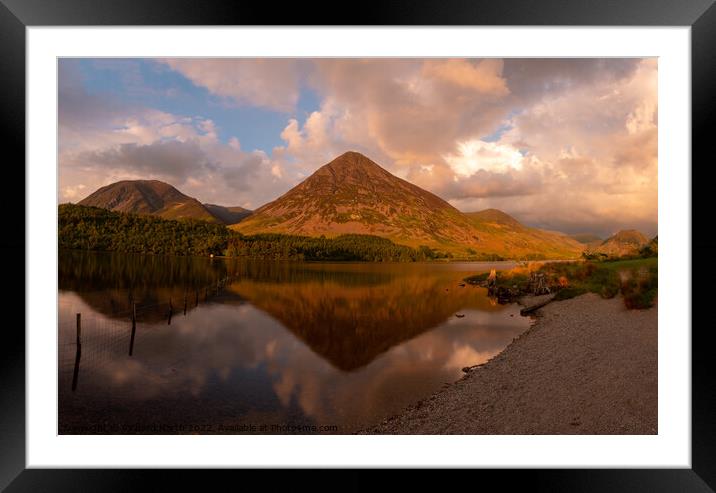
<point x="219" y="284"/>
<point x="78" y="354"/>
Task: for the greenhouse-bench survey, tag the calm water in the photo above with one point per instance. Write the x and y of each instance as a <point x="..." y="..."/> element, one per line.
<point x="280" y="348"/>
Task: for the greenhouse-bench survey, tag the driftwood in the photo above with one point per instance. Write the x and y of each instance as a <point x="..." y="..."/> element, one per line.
<point x="468" y="369"/>
<point x="530" y="309"/>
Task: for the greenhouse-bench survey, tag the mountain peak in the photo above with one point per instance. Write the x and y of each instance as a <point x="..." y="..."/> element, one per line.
<point x="353" y="194"/>
<point x="148" y="197"/>
<point x="630" y="236"/>
<point x="353" y="158"/>
<point x="624" y="242"/>
<point x="352" y="162"/>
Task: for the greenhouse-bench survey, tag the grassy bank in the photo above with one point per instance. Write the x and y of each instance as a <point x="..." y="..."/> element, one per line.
<point x="635" y="279"/>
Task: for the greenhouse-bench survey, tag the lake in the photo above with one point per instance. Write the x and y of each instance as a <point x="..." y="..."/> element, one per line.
<point x="239" y="346"/>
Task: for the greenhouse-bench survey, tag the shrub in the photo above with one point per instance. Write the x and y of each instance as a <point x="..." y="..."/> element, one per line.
<point x="576" y="278"/>
<point x="640" y="289"/>
<point x="570" y="292"/>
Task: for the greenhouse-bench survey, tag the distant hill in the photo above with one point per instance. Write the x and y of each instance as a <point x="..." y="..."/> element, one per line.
<point x="625" y="242"/>
<point x="517" y="237"/>
<point x="148" y="197"/>
<point x="353" y="194"/>
<point x="587" y="238"/>
<point x="160" y="199"/>
<point x="228" y="215"/>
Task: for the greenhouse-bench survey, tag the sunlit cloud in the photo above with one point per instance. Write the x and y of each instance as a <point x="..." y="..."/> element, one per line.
<point x="256" y="82"/>
<point x="476" y="155"/>
<point x="484" y="76"/>
<point x="569" y="144"/>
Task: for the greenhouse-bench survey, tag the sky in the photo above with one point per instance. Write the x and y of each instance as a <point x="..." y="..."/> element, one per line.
<point x="562" y="144"/>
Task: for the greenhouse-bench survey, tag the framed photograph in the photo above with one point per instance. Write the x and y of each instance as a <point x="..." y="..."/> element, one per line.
<point x="426" y="240"/>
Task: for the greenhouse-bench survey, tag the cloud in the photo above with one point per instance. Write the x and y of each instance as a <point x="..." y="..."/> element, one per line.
<point x="531" y="79"/>
<point x="103" y="140"/>
<point x="76" y="107"/>
<point x="268" y="83"/>
<point x="183" y="151"/>
<point x="484" y="76"/>
<point x="598" y="141"/>
<point x="75" y="192"/>
<point x="211" y="172"/>
<point x="477" y="155"/>
<point x="407" y="110"/>
<point x="172" y="160"/>
<point x="568" y="144"/>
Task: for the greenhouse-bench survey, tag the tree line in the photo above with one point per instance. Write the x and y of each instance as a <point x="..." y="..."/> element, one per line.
<point x="93" y="228"/>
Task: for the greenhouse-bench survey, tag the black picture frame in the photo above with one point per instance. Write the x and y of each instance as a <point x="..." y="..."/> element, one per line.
<point x="700" y="15"/>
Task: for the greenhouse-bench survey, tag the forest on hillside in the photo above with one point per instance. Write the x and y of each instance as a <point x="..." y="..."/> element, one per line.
<point x="93" y="228"/>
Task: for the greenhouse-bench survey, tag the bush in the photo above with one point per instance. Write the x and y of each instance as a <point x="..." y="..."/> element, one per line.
<point x="570" y="279"/>
<point x="477" y="278"/>
<point x="569" y="292"/>
<point x="640" y="290"/>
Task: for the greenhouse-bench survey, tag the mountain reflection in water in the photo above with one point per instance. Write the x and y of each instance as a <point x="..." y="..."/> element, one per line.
<point x="281" y="347"/>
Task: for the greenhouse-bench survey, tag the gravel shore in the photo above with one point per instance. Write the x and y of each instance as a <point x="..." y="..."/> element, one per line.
<point x="588" y="366"/>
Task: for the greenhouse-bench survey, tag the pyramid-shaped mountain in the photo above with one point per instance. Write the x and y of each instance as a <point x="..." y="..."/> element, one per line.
<point x="352" y="194"/>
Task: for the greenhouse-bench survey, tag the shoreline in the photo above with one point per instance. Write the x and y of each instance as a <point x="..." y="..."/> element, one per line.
<point x="586" y="366"/>
<point x="327" y="261"/>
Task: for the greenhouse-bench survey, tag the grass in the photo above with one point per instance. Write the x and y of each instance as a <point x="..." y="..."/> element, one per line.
<point x="636" y="263"/>
<point x="641" y="287"/>
<point x="635" y="279"/>
<point x="577" y="278"/>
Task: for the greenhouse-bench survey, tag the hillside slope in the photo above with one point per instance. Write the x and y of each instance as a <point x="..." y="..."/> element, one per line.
<point x="228" y="215"/>
<point x="625" y="242"/>
<point x="518" y="238"/>
<point x="587" y="238"/>
<point x="148" y="197"/>
<point x="353" y="194"/>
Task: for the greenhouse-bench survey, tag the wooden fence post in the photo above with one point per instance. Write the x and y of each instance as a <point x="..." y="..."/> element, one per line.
<point x="134" y="327"/>
<point x="76" y="370"/>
